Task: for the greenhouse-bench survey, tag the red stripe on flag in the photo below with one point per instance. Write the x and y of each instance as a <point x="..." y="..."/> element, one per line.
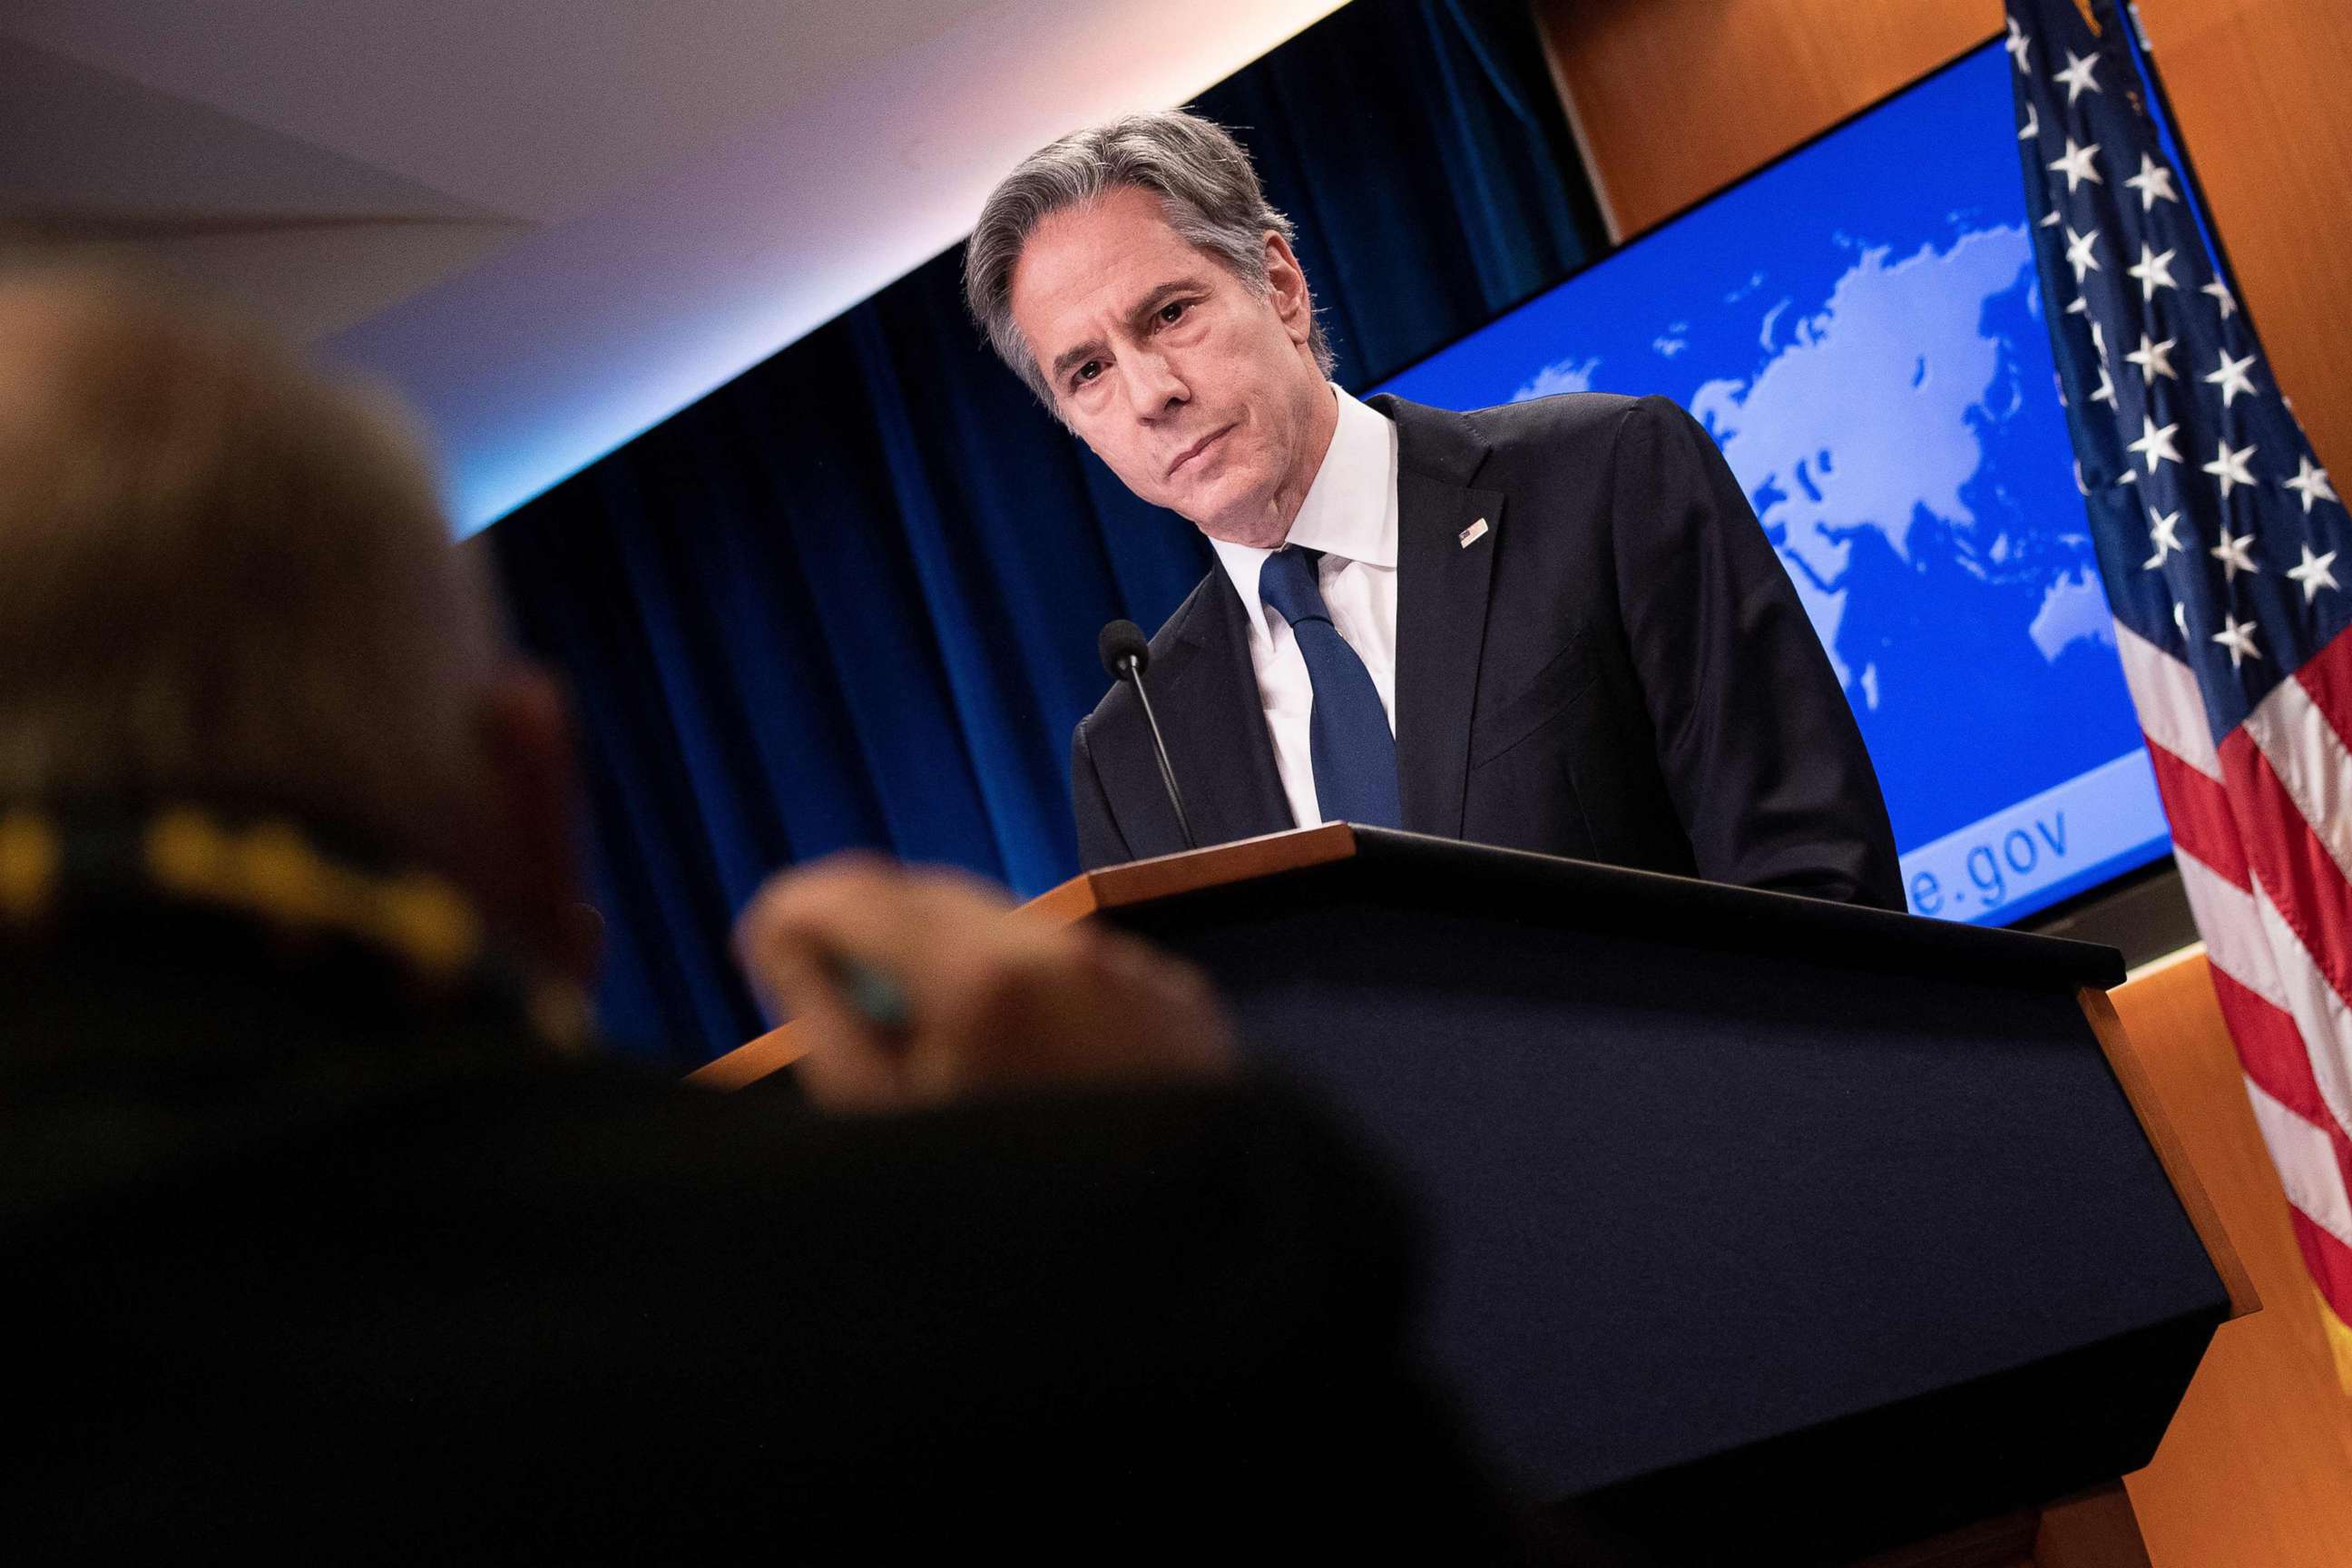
<point x="2198" y="809"/>
<point x="2273" y="1053"/>
<point x="2272" y="1050"/>
<point x="2294" y="866"/>
<point x="2327" y="677"/>
<point x="2329" y="1260"/>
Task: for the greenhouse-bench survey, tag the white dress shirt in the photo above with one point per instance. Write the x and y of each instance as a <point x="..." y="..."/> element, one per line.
<point x="1350" y="515"/>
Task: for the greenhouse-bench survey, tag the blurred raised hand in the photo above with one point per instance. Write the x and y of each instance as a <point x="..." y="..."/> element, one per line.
<point x="990" y="1002"/>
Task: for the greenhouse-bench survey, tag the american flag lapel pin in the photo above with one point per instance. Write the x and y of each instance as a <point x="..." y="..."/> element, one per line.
<point x="1472" y="534"/>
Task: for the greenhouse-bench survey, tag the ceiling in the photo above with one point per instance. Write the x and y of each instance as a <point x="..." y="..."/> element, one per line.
<point x="552" y="223"/>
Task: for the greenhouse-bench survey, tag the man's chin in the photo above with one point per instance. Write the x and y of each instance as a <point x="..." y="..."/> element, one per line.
<point x="1249" y="521"/>
<point x="1256" y="533"/>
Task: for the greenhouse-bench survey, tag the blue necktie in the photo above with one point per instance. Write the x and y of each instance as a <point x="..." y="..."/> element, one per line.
<point x="1348" y="735"/>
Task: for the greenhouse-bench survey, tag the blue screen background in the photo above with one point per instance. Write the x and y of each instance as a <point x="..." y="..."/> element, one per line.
<point x="1860" y="328"/>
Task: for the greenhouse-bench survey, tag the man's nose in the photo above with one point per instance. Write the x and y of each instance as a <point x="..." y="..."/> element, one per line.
<point x="1152" y="384"/>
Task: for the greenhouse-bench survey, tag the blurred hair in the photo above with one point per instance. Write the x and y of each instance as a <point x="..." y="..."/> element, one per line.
<point x="1206" y="187"/>
<point x="223" y="576"/>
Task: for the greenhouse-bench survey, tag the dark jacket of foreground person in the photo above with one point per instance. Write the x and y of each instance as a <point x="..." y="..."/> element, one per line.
<point x="312" y="1247"/>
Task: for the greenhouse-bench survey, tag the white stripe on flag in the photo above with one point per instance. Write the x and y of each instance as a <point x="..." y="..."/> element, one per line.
<point x="2232" y="929"/>
<point x="2307" y="1165"/>
<point x="2171" y="709"/>
<point x="2305" y="751"/>
<point x="2320" y="1014"/>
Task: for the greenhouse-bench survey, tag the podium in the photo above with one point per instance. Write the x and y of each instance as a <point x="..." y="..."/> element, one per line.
<point x="1756" y="1229"/>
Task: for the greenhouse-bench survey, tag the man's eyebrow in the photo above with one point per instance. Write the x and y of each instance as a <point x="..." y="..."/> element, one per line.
<point x="1161" y="294"/>
<point x="1070" y="359"/>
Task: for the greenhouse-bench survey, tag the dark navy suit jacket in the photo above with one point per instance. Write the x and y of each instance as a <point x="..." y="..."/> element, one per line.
<point x="1616" y="669"/>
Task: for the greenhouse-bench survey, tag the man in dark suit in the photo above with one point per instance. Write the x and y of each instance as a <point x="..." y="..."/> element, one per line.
<point x="328" y="1233"/>
<point x="1554" y="627"/>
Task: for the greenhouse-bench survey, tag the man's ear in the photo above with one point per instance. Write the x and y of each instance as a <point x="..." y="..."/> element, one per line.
<point x="525" y="863"/>
<point x="1287" y="282"/>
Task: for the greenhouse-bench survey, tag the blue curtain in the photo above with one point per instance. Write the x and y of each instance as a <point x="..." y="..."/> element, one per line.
<point x="851" y="597"/>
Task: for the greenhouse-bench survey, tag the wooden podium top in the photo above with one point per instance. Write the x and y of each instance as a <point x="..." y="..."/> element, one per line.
<point x="1539" y="887"/>
<point x="1243" y="860"/>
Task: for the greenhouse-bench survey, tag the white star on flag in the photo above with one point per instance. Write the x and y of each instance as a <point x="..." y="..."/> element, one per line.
<point x="2154" y="272"/>
<point x="2154" y="359"/>
<point x="2032" y="124"/>
<point x="2232" y="554"/>
<point x="2220" y="291"/>
<point x="2154" y="181"/>
<point x="2310" y="482"/>
<point x="2230" y="467"/>
<point x="2017" y="43"/>
<point x="2078" y="252"/>
<point x="2099" y="341"/>
<point x="2164" y="533"/>
<point x="2076" y="166"/>
<point x="2077" y="75"/>
<point x="2107" y="391"/>
<point x="2155" y="445"/>
<point x="2231" y="378"/>
<point x="2314" y="573"/>
<point x="2050" y="221"/>
<point x="2238" y="637"/>
<point x="2180" y="619"/>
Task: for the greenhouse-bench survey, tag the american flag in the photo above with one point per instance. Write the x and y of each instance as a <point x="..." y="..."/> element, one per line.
<point x="2222" y="545"/>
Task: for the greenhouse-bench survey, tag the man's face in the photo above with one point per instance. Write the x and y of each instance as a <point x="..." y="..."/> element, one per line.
<point x="1201" y="396"/>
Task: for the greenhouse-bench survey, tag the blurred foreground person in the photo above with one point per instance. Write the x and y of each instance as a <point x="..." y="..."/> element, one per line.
<point x="326" y="1232"/>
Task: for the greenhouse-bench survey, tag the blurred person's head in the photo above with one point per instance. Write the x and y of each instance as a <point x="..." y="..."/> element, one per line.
<point x="226" y="579"/>
<point x="1136" y="277"/>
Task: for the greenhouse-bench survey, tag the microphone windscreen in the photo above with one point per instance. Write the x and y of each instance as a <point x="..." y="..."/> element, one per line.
<point x="1120" y="641"/>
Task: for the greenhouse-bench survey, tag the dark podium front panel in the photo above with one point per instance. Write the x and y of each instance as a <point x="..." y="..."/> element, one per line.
<point x="1774" y="1229"/>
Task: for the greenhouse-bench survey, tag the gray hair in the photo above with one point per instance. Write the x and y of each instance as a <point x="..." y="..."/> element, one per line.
<point x="1205" y="184"/>
<point x="229" y="580"/>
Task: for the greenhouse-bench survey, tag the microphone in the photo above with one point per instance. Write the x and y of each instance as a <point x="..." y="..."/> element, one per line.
<point x="1125" y="654"/>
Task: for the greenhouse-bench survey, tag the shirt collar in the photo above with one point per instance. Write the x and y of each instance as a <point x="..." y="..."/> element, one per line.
<point x="1350" y="509"/>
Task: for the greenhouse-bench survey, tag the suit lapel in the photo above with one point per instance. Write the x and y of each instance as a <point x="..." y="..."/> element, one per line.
<point x="1442" y="584"/>
<point x="1215" y="723"/>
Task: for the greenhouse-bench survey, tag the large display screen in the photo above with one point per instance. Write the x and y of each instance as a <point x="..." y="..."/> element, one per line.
<point x="1860" y="328"/>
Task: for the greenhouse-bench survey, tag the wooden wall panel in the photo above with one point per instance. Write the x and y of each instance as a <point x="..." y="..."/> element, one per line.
<point x="1674" y="98"/>
<point x="2263" y="93"/>
<point x="2256" y="1469"/>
